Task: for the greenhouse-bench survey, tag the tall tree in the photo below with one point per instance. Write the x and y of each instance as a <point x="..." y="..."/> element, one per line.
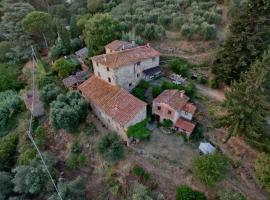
<point x="64" y="35"/>
<point x="247" y="103"/>
<point x="247" y="40"/>
<point x="100" y="30"/>
<point x="74" y="31"/>
<point x="38" y="23"/>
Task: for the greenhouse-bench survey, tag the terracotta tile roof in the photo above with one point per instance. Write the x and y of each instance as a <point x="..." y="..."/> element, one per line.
<point x="190" y="108"/>
<point x="118" y="45"/>
<point x="112" y="100"/>
<point x="185" y="125"/>
<point x="174" y="98"/>
<point x="126" y="57"/>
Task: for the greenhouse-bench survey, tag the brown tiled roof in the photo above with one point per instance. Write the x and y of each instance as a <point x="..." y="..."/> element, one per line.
<point x="126" y="57"/>
<point x="112" y="100"/>
<point x="117" y="45"/>
<point x="174" y="98"/>
<point x="185" y="125"/>
<point x="190" y="108"/>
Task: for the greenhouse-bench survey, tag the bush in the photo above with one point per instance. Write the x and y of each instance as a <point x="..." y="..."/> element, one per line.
<point x="167" y="123"/>
<point x="40" y="136"/>
<point x="207" y="31"/>
<point x="186" y="193"/>
<point x="153" y="32"/>
<point x="213" y="83"/>
<point x="75" y="44"/>
<point x="210" y="169"/>
<point x="56" y="50"/>
<point x="8" y="150"/>
<point x="191" y="90"/>
<point x="202" y="80"/>
<point x="5" y="185"/>
<point x="63" y="67"/>
<point x="10" y="105"/>
<point x="68" y="111"/>
<point x="179" y="66"/>
<point x="110" y="148"/>
<point x="141" y="173"/>
<point x="27" y="155"/>
<point x="49" y="93"/>
<point x="139" y="131"/>
<point x="46" y="80"/>
<point x="262" y="168"/>
<point x="139" y="93"/>
<point x="156" y="90"/>
<point x="76" y="160"/>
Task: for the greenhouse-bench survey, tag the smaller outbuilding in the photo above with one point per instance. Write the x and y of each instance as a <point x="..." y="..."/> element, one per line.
<point x="206" y="148"/>
<point x="82" y="54"/>
<point x="73" y="81"/>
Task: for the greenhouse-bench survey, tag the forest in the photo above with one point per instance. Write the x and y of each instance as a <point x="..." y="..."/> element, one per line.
<point x="38" y="40"/>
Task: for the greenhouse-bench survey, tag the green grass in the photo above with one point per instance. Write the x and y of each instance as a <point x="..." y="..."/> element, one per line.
<point x="139" y="131"/>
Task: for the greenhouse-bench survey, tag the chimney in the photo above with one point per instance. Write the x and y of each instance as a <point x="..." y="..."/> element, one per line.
<point x="148" y="44"/>
<point x="133" y="43"/>
<point x="123" y="47"/>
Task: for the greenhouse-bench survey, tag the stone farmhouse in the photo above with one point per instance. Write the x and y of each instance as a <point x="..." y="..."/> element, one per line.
<point x="115" y="74"/>
<point x="125" y="65"/>
<point x="175" y="106"/>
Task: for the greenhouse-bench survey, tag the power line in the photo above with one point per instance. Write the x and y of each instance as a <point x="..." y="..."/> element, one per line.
<point x="29" y="132"/>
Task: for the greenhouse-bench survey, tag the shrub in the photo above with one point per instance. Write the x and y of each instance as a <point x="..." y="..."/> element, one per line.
<point x="110" y="148"/>
<point x="139" y="131"/>
<point x="76" y="160"/>
<point x="153" y="32"/>
<point x="156" y="90"/>
<point x="27" y="155"/>
<point x="202" y="80"/>
<point x="143" y="85"/>
<point x="179" y="66"/>
<point x="46" y="80"/>
<point x="63" y="67"/>
<point x="262" y="168"/>
<point x="10" y="105"/>
<point x="8" y="150"/>
<point x="68" y="111"/>
<point x="49" y="93"/>
<point x="186" y="193"/>
<point x="5" y="185"/>
<point x="75" y="44"/>
<point x="187" y="31"/>
<point x="167" y="123"/>
<point x="207" y="31"/>
<point x="140" y="172"/>
<point x="210" y="169"/>
<point x="214" y="84"/>
<point x="191" y="89"/>
<point x="56" y="50"/>
<point x="139" y="93"/>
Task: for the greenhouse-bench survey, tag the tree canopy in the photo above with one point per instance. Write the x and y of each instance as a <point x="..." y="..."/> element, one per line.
<point x="110" y="148"/>
<point x="210" y="169"/>
<point x="99" y="30"/>
<point x="247" y="40"/>
<point x="263" y="170"/>
<point x="9" y="74"/>
<point x="68" y="111"/>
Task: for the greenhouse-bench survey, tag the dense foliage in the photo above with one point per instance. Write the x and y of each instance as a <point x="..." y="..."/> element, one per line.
<point x="110" y="148"/>
<point x="64" y="67"/>
<point x="247" y="105"/>
<point x="230" y="196"/>
<point x="263" y="170"/>
<point x="139" y="131"/>
<point x="210" y="169"/>
<point x="49" y="93"/>
<point x="194" y="19"/>
<point x="5" y="185"/>
<point x="186" y="193"/>
<point x="99" y="30"/>
<point x="68" y="111"/>
<point x="179" y="66"/>
<point x="10" y="105"/>
<point x="247" y="40"/>
<point x="141" y="192"/>
<point x="9" y="77"/>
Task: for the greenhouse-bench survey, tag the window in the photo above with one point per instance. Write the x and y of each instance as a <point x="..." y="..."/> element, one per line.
<point x="138" y="75"/>
<point x="169" y="112"/>
<point x="159" y="108"/>
<point x="130" y="84"/>
<point x="154" y="59"/>
<point x="109" y="79"/>
<point x="108" y="69"/>
<point x="99" y="74"/>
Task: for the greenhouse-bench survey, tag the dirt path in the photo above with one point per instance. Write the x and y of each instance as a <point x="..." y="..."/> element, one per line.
<point x="217" y="95"/>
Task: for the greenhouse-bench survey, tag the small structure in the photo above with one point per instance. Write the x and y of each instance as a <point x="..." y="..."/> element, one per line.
<point x="206" y="148"/>
<point x="73" y="81"/>
<point x="150" y="74"/>
<point x="38" y="109"/>
<point x="119" y="45"/>
<point x="175" y="106"/>
<point x="177" y="79"/>
<point x="82" y="54"/>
